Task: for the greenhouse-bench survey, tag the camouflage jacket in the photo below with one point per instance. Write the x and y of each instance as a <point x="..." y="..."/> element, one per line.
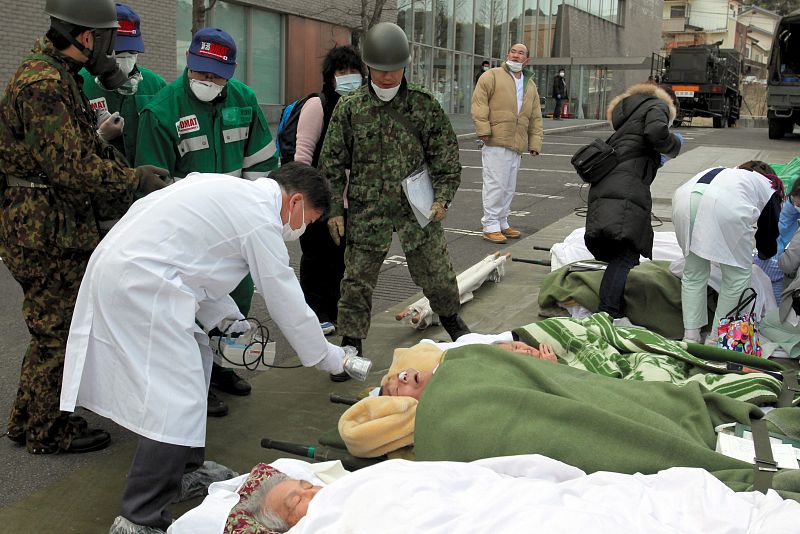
<point x="47" y="135"/>
<point x="381" y="151"/>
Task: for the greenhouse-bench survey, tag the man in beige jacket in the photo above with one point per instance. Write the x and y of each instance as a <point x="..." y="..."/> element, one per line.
<point x="507" y="117"/>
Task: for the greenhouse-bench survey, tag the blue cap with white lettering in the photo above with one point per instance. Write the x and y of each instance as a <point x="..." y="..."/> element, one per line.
<point x="212" y="50"/>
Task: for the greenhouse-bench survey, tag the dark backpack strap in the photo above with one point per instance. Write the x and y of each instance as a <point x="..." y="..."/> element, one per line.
<point x="707" y="177"/>
<point x="765" y="464"/>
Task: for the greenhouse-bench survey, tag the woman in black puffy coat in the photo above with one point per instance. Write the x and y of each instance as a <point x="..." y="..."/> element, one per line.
<point x="618" y="227"/>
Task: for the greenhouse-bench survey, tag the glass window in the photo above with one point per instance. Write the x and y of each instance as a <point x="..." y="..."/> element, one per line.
<point x="420" y="68"/>
<point x="464" y="26"/>
<point x="423" y="21"/>
<point x="267" y="52"/>
<point x="463" y="74"/>
<point x="404" y="17"/>
<point x="499" y="28"/>
<point x="515" y="22"/>
<point x="677" y="12"/>
<point x="444" y="23"/>
<point x="183" y="32"/>
<point x="233" y="19"/>
<point x="443" y="78"/>
<point x="483" y="30"/>
<point x="614" y="13"/>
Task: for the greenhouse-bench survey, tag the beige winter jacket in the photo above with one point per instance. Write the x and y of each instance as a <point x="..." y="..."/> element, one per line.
<point x="494" y="112"/>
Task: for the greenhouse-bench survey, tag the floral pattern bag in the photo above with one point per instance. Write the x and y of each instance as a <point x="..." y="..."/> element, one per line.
<point x="738" y="330"/>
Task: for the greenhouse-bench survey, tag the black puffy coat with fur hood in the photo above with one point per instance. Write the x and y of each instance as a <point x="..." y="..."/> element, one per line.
<point x="620" y="204"/>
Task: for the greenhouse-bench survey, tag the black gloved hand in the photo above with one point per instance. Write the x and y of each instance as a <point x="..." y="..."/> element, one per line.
<point x="151" y="178"/>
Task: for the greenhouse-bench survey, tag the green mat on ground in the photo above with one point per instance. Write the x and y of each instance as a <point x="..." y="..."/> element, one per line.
<point x="594" y="344"/>
<point x="484" y="402"/>
<point x="652" y="295"/>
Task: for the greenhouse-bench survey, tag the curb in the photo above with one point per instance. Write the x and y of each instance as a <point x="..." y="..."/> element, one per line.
<point x="560" y="129"/>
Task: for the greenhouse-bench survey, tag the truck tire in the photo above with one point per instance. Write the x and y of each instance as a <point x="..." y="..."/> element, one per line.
<point x="721" y="122"/>
<point x="776" y="129"/>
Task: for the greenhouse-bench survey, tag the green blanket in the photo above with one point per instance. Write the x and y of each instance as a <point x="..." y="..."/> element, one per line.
<point x="652" y="295"/>
<point x="594" y="344"/>
<point x="788" y="172"/>
<point x="484" y="402"/>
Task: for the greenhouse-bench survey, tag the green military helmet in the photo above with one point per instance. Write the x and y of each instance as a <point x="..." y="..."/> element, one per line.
<point x="86" y="13"/>
<point x="386" y="47"/>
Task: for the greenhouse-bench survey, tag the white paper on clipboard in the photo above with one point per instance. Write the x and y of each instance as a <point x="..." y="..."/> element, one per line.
<point x="419" y="191"/>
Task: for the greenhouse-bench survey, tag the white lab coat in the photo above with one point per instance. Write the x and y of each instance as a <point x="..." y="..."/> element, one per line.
<point x="724" y="226"/>
<point x="135" y="354"/>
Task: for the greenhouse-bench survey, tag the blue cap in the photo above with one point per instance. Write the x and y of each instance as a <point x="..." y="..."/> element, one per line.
<point x="212" y="50"/>
<point x="129" y="33"/>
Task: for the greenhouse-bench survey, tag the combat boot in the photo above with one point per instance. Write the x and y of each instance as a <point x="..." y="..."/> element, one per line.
<point x="454" y="325"/>
<point x="352" y="342"/>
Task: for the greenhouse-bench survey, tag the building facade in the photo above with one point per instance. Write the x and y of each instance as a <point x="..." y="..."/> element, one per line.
<point x="604" y="45"/>
<point x="280" y="44"/>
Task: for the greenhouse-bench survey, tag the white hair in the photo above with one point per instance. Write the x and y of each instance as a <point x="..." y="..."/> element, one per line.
<point x="256" y="504"/>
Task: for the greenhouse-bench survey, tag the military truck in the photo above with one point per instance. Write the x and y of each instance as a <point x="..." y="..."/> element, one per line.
<point x="783" y="78"/>
<point x="706" y="80"/>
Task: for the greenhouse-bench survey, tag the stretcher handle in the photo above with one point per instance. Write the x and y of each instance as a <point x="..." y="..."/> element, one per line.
<point x="321" y="454"/>
<point x="341" y="399"/>
<point x="537" y="247"/>
<point x="534" y="262"/>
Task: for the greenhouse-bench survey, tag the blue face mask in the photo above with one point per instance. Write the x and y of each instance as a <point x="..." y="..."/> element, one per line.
<point x="347" y="83"/>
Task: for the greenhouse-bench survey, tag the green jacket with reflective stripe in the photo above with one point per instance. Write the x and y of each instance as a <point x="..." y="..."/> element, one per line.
<point x="129" y="106"/>
<point x="228" y="135"/>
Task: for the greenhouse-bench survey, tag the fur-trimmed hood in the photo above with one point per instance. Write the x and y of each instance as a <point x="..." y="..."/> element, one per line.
<point x="647" y="90"/>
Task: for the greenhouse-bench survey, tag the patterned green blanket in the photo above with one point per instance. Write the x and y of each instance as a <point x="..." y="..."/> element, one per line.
<point x="594" y="344"/>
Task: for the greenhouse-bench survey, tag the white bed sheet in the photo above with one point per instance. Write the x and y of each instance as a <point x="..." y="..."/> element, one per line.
<point x="517" y="494"/>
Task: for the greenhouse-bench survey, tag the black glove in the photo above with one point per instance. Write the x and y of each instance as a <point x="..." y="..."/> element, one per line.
<point x="151" y="178"/>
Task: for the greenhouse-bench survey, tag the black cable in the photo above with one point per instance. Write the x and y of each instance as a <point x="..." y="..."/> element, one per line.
<point x="261" y="339"/>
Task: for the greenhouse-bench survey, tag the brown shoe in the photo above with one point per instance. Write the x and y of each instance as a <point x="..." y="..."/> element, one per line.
<point x="511" y="233"/>
<point x="494" y="237"/>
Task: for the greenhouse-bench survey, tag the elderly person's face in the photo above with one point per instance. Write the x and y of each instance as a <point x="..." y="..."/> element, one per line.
<point x="290" y="500"/>
<point x="408" y="383"/>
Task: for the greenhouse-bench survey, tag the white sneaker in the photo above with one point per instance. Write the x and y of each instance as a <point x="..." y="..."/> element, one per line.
<point x="123" y="526"/>
<point x="196" y="483"/>
<point x="711" y="340"/>
<point x="328" y="328"/>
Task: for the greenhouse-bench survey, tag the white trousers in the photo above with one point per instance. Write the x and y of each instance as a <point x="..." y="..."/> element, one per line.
<point x="500" y="167"/>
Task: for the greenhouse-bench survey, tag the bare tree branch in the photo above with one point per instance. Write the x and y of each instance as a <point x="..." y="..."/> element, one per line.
<point x="199" y="11"/>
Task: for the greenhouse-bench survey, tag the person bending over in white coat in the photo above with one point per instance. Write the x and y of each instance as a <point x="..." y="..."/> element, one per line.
<point x="135" y="353"/>
<point x="714" y="215"/>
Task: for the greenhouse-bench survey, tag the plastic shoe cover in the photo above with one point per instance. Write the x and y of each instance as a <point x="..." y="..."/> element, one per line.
<point x="196" y="483"/>
<point x="123" y="526"/>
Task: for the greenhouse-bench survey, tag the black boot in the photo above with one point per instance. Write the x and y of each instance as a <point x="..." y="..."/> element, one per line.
<point x="454" y="325"/>
<point x="352" y="342"/>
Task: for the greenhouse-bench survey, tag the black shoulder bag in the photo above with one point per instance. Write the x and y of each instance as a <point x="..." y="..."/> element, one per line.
<point x="594" y="161"/>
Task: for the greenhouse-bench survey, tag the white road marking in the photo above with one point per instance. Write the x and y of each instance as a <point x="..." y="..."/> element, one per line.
<point x="478" y="150"/>
<point x="463" y="232"/>
<point x="522" y="169"/>
<point x="537" y="195"/>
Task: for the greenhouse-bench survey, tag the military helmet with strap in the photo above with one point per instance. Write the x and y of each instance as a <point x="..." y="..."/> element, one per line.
<point x="386" y="47"/>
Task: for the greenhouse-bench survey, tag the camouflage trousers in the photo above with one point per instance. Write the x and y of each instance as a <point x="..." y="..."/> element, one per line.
<point x="428" y="262"/>
<point x="50" y="281"/>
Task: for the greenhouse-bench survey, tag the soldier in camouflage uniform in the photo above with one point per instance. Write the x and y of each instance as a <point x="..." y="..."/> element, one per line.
<point x="383" y="132"/>
<point x="59" y="183"/>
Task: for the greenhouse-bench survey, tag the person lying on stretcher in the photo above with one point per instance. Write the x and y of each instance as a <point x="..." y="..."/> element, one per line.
<point x="411" y="382"/>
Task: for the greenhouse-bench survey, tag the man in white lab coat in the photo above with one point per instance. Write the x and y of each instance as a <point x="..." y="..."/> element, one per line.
<point x="135" y="353"/>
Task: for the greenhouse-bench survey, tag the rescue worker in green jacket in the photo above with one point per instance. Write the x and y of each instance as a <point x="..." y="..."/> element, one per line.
<point x="118" y="110"/>
<point x="383" y="132"/>
<point x="205" y="121"/>
<point x="59" y="183"/>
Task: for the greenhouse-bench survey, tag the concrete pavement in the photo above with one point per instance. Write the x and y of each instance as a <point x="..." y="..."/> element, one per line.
<point x="292" y="404"/>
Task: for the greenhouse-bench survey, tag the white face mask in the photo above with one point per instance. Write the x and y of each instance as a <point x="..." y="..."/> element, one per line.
<point x="385" y="94"/>
<point x="561" y="74"/>
<point x="205" y="91"/>
<point x="485" y="68"/>
<point x="514" y="66"/>
<point x="347" y="83"/>
<point x="126" y="62"/>
<point x="289" y="233"/>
